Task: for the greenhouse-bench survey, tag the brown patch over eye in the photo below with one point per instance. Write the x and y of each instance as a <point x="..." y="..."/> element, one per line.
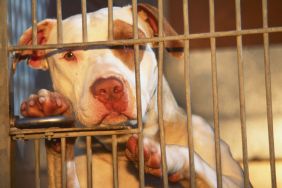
<point x="123" y="30"/>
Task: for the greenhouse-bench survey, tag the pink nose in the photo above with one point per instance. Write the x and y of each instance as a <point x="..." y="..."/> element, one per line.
<point x="110" y="91"/>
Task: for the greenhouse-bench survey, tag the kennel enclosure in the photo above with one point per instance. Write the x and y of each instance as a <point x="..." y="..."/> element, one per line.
<point x="9" y="132"/>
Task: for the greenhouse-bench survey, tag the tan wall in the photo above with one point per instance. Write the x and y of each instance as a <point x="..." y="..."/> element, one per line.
<point x="228" y="94"/>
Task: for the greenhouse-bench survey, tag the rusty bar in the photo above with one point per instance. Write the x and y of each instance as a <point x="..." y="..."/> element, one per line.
<point x="59" y="23"/>
<point x="58" y="133"/>
<point x="240" y="62"/>
<point x="89" y="161"/>
<point x="84" y="20"/>
<point x="138" y="95"/>
<point x="34" y="21"/>
<point x="188" y="96"/>
<point x="110" y="20"/>
<point x="115" y="160"/>
<point x="5" y="140"/>
<point x="63" y="165"/>
<point x="268" y="94"/>
<point x="67" y="131"/>
<point x="215" y="97"/>
<point x="147" y="40"/>
<point x="160" y="95"/>
<point x="37" y="162"/>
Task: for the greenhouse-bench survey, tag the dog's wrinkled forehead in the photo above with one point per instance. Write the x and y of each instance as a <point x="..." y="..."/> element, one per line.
<point x="97" y="25"/>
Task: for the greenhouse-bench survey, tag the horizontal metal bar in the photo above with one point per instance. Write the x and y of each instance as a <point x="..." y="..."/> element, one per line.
<point x="70" y="133"/>
<point x="101" y="127"/>
<point x="148" y="40"/>
<point x="45" y="122"/>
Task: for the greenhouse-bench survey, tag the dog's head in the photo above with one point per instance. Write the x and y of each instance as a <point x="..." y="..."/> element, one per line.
<point x="100" y="82"/>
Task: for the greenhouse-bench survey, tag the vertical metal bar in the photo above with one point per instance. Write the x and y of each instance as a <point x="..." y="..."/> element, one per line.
<point x="59" y="22"/>
<point x="160" y="95"/>
<point x="241" y="93"/>
<point x="89" y="161"/>
<point x="84" y="20"/>
<point x="138" y="96"/>
<point x="110" y="19"/>
<point x="5" y="140"/>
<point x="215" y="97"/>
<point x="268" y="95"/>
<point x="114" y="137"/>
<point x="37" y="162"/>
<point x="63" y="164"/>
<point x="34" y="22"/>
<point x="188" y="96"/>
<point x="115" y="159"/>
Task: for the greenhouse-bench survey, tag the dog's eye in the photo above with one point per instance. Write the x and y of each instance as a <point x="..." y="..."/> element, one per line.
<point x="69" y="56"/>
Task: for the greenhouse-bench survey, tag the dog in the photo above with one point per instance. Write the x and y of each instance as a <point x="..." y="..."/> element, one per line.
<point x="97" y="86"/>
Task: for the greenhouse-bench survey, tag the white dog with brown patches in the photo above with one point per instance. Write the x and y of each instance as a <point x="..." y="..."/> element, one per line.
<point x="98" y="86"/>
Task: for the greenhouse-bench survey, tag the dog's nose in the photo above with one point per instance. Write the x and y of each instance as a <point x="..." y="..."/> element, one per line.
<point x="110" y="91"/>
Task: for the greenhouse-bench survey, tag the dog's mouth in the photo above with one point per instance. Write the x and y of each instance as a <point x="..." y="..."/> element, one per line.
<point x="113" y="117"/>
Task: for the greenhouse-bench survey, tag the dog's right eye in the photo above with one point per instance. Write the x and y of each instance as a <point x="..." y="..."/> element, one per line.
<point x="69" y="56"/>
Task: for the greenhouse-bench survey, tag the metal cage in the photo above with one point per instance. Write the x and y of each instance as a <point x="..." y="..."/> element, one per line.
<point x="9" y="133"/>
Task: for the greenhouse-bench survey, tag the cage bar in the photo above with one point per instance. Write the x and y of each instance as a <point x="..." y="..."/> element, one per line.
<point x="110" y="20"/>
<point x="37" y="162"/>
<point x="5" y="139"/>
<point x="58" y="133"/>
<point x="138" y="96"/>
<point x="240" y="62"/>
<point x="147" y="40"/>
<point x="89" y="161"/>
<point x="268" y="94"/>
<point x="188" y="96"/>
<point x="215" y="97"/>
<point x="115" y="160"/>
<point x="84" y="21"/>
<point x="59" y="23"/>
<point x="63" y="163"/>
<point x="160" y="95"/>
<point x="34" y="21"/>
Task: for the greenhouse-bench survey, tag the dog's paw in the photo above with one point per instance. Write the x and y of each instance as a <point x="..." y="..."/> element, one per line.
<point x="152" y="157"/>
<point x="45" y="103"/>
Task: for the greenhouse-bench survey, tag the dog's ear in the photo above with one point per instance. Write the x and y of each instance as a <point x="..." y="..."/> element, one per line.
<point x="149" y="14"/>
<point x="36" y="58"/>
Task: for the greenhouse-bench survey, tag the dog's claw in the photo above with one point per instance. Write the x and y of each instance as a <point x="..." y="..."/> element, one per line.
<point x="42" y="100"/>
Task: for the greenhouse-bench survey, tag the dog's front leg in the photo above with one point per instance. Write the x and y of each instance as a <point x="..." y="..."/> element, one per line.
<point x="54" y="159"/>
<point x="177" y="158"/>
<point x="177" y="161"/>
<point x="43" y="104"/>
